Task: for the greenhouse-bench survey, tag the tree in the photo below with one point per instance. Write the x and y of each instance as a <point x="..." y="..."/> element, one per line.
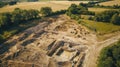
<point x="115" y="19"/>
<point x="5" y="19"/>
<point x="105" y="16"/>
<point x="1" y="21"/>
<point x="110" y="56"/>
<point x="1" y="38"/>
<point x="118" y="63"/>
<point x="116" y="53"/>
<point x="34" y="13"/>
<point x="16" y="16"/>
<point x="46" y="11"/>
<point x="32" y="0"/>
<point x="2" y="4"/>
<point x="12" y="2"/>
<point x="108" y="62"/>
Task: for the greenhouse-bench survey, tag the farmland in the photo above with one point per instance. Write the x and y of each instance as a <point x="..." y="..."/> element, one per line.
<point x="102" y="28"/>
<point x="111" y="3"/>
<point x="55" y="5"/>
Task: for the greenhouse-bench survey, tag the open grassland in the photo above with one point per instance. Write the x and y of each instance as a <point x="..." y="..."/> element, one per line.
<point x="55" y="5"/>
<point x="101" y="28"/>
<point x="110" y="3"/>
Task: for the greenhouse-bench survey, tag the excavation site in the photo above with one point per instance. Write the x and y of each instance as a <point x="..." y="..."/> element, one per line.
<point x="55" y="42"/>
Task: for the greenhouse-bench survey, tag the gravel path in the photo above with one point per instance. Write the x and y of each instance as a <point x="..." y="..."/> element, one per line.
<point x="93" y="52"/>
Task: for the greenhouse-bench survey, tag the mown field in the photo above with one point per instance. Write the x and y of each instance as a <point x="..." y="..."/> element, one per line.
<point x="100" y="27"/>
<point x="111" y="3"/>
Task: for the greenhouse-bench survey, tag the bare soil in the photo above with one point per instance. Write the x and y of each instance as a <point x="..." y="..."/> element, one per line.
<point x="55" y="42"/>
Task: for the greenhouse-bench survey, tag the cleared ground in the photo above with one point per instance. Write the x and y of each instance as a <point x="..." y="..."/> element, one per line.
<point x="56" y="41"/>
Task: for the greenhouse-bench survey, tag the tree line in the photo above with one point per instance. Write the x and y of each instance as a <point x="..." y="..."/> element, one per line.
<point x="91" y="0"/>
<point x="74" y="11"/>
<point x="110" y="56"/>
<point x="96" y="5"/>
<point x="116" y="6"/>
<point x="18" y="16"/>
<point x="110" y="16"/>
<point x="2" y="4"/>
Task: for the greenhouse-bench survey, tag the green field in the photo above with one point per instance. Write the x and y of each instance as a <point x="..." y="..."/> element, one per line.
<point x="101" y="28"/>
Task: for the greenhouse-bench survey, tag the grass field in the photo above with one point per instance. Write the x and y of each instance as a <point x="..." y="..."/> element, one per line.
<point x="55" y="5"/>
<point x="101" y="28"/>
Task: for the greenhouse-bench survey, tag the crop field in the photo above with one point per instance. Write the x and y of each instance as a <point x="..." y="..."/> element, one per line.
<point x="101" y="28"/>
<point x="97" y="10"/>
<point x="111" y="3"/>
<point x="55" y="5"/>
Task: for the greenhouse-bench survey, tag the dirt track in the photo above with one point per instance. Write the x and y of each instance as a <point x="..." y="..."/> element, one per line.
<point x="94" y="51"/>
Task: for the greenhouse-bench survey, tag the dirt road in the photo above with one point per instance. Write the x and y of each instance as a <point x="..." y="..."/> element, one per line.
<point x="93" y="52"/>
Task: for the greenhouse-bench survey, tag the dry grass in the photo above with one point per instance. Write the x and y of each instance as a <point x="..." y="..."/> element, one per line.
<point x="97" y="9"/>
<point x="55" y="5"/>
<point x="32" y="5"/>
<point x="110" y="3"/>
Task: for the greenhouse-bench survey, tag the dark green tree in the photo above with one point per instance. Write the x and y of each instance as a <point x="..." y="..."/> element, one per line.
<point x="34" y="13"/>
<point x="115" y="19"/>
<point x="16" y="16"/>
<point x="105" y="16"/>
<point x="46" y="11"/>
<point x="5" y="19"/>
<point x="110" y="56"/>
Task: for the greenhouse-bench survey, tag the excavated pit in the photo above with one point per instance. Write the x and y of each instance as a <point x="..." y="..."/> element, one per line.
<point x="54" y="42"/>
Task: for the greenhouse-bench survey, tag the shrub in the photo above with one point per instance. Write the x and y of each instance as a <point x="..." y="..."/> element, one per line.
<point x="115" y="19"/>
